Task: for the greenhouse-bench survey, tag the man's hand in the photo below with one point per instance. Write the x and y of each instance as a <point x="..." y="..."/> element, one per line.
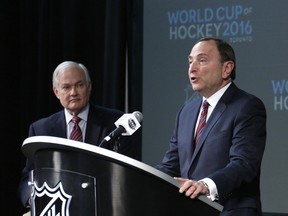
<point x="192" y="188"/>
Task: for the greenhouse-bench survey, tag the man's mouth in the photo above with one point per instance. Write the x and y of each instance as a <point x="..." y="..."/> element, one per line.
<point x="193" y="79"/>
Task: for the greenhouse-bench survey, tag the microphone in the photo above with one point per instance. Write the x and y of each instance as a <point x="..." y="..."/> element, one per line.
<point x="126" y="125"/>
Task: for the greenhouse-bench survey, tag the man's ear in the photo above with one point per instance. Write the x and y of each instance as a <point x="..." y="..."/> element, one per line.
<point x="227" y="69"/>
<point x="55" y="90"/>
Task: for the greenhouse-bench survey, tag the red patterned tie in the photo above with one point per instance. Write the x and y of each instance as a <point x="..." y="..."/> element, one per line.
<point x="202" y="121"/>
<point x="76" y="133"/>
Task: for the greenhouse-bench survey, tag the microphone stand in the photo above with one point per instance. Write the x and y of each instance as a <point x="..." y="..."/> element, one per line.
<point x="116" y="144"/>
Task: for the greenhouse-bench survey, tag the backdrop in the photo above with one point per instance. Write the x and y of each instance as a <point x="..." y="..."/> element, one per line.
<point x="258" y="31"/>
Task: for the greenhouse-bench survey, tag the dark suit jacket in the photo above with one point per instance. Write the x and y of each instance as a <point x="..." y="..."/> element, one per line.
<point x="100" y="123"/>
<point x="230" y="149"/>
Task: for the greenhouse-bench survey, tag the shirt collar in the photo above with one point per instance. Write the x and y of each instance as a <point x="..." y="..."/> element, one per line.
<point x="213" y="99"/>
<point x="83" y="114"/>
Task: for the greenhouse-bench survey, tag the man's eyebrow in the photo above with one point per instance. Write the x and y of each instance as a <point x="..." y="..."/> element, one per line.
<point x="198" y="55"/>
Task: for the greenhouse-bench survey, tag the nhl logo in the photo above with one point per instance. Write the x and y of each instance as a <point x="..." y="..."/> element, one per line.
<point x="50" y="201"/>
<point x="132" y="124"/>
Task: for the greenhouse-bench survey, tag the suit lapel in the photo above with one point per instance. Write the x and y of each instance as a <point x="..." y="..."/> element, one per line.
<point x="217" y="112"/>
<point x="191" y="123"/>
<point x="58" y="129"/>
<point x="215" y="115"/>
<point x="92" y="130"/>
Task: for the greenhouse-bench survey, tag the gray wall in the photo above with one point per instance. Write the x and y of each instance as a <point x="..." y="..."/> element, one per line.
<point x="258" y="30"/>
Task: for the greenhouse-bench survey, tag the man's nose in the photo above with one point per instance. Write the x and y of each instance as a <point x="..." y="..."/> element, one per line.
<point x="74" y="90"/>
<point x="192" y="67"/>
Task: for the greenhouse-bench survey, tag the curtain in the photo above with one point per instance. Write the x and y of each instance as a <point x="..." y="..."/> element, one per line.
<point x="104" y="35"/>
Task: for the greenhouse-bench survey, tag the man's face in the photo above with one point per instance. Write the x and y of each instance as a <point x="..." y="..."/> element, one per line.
<point x="206" y="72"/>
<point x="73" y="91"/>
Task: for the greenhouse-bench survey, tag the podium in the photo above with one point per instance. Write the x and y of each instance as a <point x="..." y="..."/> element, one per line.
<point x="71" y="178"/>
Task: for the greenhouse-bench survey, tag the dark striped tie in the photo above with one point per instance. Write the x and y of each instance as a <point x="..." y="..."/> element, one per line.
<point x="202" y="121"/>
<point x="76" y="133"/>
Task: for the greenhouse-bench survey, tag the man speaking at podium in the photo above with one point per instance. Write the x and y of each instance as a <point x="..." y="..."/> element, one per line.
<point x="72" y="86"/>
<point x="216" y="148"/>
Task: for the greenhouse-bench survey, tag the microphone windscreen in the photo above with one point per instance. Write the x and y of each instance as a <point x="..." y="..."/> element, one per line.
<point x="138" y="115"/>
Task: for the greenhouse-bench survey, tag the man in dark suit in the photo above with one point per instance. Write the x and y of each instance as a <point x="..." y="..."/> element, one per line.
<point x="225" y="162"/>
<point x="72" y="86"/>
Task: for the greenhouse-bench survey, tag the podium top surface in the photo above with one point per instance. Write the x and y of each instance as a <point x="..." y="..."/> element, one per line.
<point x="32" y="144"/>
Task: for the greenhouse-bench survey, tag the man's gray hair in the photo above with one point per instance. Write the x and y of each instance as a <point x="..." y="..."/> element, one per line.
<point x="69" y="64"/>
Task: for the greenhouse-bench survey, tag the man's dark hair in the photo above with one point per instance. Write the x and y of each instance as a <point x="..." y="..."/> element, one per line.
<point x="226" y="52"/>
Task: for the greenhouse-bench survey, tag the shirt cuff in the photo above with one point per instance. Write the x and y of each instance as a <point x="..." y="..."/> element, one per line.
<point x="212" y="188"/>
